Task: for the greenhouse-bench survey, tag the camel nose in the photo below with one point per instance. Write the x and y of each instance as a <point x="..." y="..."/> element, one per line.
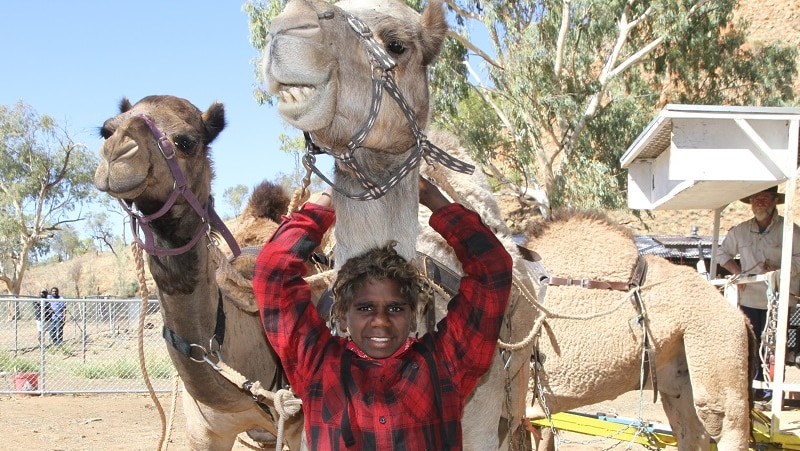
<point x="299" y="18"/>
<point x="123" y="143"/>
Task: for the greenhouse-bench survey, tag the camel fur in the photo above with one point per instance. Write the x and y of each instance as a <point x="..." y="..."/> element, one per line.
<point x="590" y="349"/>
<point x="316" y="66"/>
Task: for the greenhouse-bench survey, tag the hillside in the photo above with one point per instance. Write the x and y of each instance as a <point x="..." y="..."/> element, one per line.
<point x="105" y="274"/>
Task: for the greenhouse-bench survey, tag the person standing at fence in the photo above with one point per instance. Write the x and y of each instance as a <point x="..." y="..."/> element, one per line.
<point x="43" y="313"/>
<point x="59" y="316"/>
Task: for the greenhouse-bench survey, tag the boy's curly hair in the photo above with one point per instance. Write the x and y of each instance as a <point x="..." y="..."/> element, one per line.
<point x="375" y="264"/>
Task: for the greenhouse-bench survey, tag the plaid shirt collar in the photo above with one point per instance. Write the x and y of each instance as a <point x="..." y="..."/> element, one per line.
<point x="351" y="345"/>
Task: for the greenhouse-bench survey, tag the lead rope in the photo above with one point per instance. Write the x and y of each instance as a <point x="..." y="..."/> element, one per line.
<point x="137" y="255"/>
<point x="284" y="401"/>
<point x="302" y="193"/>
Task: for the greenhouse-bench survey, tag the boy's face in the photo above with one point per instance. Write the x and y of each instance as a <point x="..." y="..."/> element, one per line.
<point x="379" y="318"/>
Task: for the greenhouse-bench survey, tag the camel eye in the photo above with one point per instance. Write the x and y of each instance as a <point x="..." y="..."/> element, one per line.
<point x="106" y="132"/>
<point x="396" y="47"/>
<point x="184" y="143"/>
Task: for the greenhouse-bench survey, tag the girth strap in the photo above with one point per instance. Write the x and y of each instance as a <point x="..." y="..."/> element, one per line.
<point x="636" y="280"/>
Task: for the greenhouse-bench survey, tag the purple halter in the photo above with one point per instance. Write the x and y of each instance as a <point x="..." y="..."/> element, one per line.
<point x="210" y="218"/>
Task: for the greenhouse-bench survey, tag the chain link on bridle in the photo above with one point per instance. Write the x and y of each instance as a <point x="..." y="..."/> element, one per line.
<point x="381" y="64"/>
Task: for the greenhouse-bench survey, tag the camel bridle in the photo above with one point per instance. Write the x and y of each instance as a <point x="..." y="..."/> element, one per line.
<point x="381" y="65"/>
<point x="208" y="216"/>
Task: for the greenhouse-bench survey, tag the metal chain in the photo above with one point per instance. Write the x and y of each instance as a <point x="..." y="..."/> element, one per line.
<point x="768" y="337"/>
<point x="536" y="368"/>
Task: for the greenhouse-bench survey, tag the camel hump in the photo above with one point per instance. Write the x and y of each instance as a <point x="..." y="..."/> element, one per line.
<point x="268" y="200"/>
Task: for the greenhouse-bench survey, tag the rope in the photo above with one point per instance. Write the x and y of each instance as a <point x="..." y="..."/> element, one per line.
<point x="537" y="324"/>
<point x="176" y="379"/>
<point x="284" y="401"/>
<point x="321" y="279"/>
<point x="302" y="193"/>
<point x="137" y="254"/>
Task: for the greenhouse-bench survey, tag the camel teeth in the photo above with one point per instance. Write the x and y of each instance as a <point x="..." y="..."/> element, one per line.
<point x="298" y="94"/>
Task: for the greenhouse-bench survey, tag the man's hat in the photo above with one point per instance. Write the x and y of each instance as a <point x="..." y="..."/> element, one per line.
<point x="781" y="197"/>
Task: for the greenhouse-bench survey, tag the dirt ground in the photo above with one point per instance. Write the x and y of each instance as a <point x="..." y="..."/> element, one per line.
<point x="131" y="422"/>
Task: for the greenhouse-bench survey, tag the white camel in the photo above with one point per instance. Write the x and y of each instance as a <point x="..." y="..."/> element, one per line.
<point x="353" y="76"/>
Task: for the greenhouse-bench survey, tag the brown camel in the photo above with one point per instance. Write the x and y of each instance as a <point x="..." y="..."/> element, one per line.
<point x="590" y="349"/>
<point x="134" y="170"/>
<point x="354" y="76"/>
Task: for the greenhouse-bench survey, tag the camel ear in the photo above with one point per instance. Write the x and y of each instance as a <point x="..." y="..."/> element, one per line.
<point x="214" y="121"/>
<point x="125" y="105"/>
<point x="435" y="29"/>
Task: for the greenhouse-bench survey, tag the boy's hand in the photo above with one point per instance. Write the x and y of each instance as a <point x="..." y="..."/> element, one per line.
<point x="430" y="196"/>
<point x="324" y="199"/>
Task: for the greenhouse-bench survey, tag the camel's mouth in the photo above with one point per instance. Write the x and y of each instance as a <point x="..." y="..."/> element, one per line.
<point x="129" y="195"/>
<point x="307" y="106"/>
<point x="295" y="94"/>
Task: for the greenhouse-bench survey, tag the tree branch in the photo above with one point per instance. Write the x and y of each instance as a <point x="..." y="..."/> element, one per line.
<point x="462" y="12"/>
<point x="562" y="37"/>
<point x="466" y="43"/>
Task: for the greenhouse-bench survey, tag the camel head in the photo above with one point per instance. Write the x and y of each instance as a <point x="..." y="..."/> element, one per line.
<point x="321" y="70"/>
<point x="133" y="167"/>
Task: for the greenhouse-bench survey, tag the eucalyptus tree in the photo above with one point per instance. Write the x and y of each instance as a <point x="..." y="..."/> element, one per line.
<point x="46" y="177"/>
<point x="235" y="196"/>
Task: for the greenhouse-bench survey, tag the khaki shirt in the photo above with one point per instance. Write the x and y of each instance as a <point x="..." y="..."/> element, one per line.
<point x="754" y="248"/>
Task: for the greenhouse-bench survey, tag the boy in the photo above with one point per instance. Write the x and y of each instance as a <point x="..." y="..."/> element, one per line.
<point x="377" y="388"/>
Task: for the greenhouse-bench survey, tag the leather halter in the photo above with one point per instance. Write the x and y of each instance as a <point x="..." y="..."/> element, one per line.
<point x="209" y="217"/>
<point x="381" y="64"/>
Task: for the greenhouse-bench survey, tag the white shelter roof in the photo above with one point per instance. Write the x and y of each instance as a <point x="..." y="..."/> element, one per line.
<point x="707" y="156"/>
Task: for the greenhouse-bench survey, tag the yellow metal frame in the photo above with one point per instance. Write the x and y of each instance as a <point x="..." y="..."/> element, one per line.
<point x="628" y="431"/>
<point x="617" y="430"/>
<point x="760" y="425"/>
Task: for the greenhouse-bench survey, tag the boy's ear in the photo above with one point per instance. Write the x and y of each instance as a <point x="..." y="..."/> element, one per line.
<point x="413" y="321"/>
<point x="341" y="324"/>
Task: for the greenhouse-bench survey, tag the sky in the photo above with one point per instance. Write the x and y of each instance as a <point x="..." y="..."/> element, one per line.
<point x="75" y="60"/>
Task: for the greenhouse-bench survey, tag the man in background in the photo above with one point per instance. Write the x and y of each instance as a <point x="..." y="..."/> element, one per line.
<point x="758" y="243"/>
<point x="59" y="316"/>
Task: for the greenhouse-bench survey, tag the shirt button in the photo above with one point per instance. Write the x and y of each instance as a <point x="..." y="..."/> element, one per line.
<point x="382" y="420"/>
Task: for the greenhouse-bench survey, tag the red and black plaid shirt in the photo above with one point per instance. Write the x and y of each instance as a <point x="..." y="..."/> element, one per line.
<point x="392" y="403"/>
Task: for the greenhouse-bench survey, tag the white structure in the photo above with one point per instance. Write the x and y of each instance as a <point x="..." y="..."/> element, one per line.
<point x="705" y="157"/>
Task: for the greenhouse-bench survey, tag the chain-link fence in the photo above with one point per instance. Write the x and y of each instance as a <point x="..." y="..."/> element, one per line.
<point x="98" y="352"/>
